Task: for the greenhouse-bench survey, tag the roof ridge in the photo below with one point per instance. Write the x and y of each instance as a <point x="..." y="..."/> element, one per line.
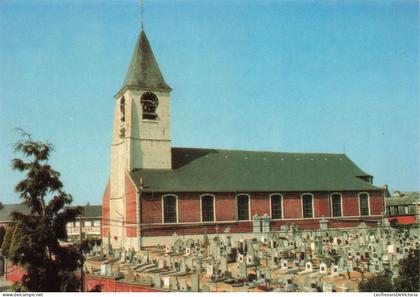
<point x="256" y="151"/>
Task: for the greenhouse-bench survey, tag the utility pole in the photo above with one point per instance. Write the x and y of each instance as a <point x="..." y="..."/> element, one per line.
<point x="82" y="259"/>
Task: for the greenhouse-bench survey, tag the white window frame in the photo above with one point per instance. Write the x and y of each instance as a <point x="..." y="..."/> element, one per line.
<point x="301" y="205"/>
<point x="249" y="207"/>
<point x="281" y="205"/>
<point x="201" y="207"/>
<point x="163" y="208"/>
<point x="331" y="205"/>
<point x="358" y="200"/>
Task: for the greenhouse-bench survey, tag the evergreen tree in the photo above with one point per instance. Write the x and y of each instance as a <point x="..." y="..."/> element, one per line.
<point x="35" y="241"/>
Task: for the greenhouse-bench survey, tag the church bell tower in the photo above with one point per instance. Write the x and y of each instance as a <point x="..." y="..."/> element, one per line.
<point x="141" y="137"/>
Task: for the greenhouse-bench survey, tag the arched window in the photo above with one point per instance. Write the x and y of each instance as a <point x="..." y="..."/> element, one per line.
<point x="122" y="109"/>
<point x="207" y="208"/>
<point x="276" y="206"/>
<point x="149" y="102"/>
<point x="307" y="206"/>
<point x="364" y="204"/>
<point x="170" y="213"/>
<point x="242" y="204"/>
<point x="336" y="205"/>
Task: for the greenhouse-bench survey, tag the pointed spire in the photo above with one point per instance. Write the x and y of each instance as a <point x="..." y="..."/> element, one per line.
<point x="144" y="72"/>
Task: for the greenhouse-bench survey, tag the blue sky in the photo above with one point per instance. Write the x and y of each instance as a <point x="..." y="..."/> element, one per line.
<point x="298" y="76"/>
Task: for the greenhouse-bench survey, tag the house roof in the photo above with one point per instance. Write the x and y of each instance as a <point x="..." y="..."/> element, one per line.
<point x="88" y="211"/>
<point x="144" y="72"/>
<point x="404" y="199"/>
<point x="215" y="170"/>
<point x="7" y="210"/>
<point x="91" y="211"/>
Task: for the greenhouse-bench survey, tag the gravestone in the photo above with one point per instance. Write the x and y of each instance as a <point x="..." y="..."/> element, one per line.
<point x="195" y="282"/>
<point x="266" y="272"/>
<point x="166" y="282"/>
<point x="210" y="270"/>
<point x="174" y="286"/>
<point x="327" y="287"/>
<point x="308" y="267"/>
<point x="224" y="265"/>
<point x="106" y="269"/>
<point x="130" y="274"/>
<point x="168" y="249"/>
<point x="323" y="224"/>
<point x="179" y="245"/>
<point x="187" y="251"/>
<point x="334" y="271"/>
<point x="323" y="268"/>
<point x="182" y="266"/>
<point x="256" y="224"/>
<point x="157" y="281"/>
<point x="116" y="253"/>
<point x="283" y="264"/>
<point x="242" y="270"/>
<point x="249" y="260"/>
<point x="183" y="285"/>
<point x="123" y="255"/>
<point x="265" y="223"/>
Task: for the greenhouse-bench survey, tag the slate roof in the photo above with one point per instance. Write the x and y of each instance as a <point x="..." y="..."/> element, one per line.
<point x="87" y="211"/>
<point x="214" y="170"/>
<point x="7" y="209"/>
<point x="91" y="211"/>
<point x="144" y="72"/>
<point x="407" y="198"/>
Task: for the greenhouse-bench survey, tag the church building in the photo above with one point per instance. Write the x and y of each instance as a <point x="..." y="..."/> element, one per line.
<point x="156" y="190"/>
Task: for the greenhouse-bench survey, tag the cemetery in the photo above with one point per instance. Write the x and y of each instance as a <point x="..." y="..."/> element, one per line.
<point x="288" y="260"/>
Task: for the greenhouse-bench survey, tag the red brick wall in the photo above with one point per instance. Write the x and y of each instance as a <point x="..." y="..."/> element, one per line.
<point x="321" y="204"/>
<point x="130" y="207"/>
<point x="105" y="210"/>
<point x="191" y="203"/>
<point x="151" y="209"/>
<point x="350" y="202"/>
<point x="225" y="207"/>
<point x="376" y="203"/>
<point x="292" y="205"/>
<point x="260" y="204"/>
<point x="189" y="210"/>
<point x="111" y="285"/>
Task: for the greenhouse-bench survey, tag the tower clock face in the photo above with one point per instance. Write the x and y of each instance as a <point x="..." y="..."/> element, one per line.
<point x="149" y="102"/>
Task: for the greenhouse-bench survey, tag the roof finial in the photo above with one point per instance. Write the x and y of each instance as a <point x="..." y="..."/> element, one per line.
<point x="142" y="9"/>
